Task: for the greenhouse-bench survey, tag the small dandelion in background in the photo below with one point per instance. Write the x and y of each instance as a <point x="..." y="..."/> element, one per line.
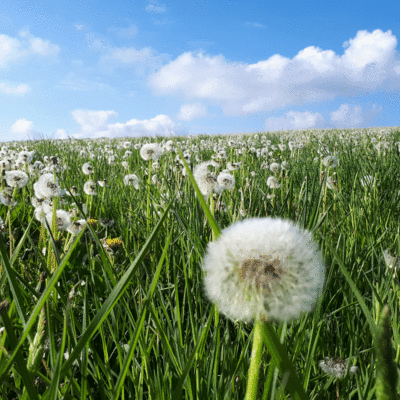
<point x="150" y="151"/>
<point x="90" y="188"/>
<point x="336" y="367"/>
<point x="87" y="169"/>
<point x="16" y="179"/>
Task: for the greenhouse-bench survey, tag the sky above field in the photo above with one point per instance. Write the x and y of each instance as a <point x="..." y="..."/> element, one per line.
<point x="89" y="69"/>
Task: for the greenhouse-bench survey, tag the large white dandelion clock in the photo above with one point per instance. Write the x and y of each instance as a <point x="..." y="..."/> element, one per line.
<point x="263" y="268"/>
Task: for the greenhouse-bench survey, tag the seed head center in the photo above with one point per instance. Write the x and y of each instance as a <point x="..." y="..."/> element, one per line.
<point x="260" y="273"/>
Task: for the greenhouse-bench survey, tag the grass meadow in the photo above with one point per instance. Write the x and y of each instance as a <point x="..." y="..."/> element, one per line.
<point x="102" y="285"/>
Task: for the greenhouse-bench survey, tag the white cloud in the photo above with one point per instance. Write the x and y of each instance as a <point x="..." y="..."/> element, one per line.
<point x="344" y="117"/>
<point x="94" y="125"/>
<point x="16" y="90"/>
<point x="92" y="121"/>
<point x="295" y="120"/>
<point x="126" y="33"/>
<point x="13" y="50"/>
<point x="189" y="112"/>
<point x="313" y="75"/>
<point x="73" y="82"/>
<point x="79" y="27"/>
<point x="143" y="60"/>
<point x="61" y="134"/>
<point x="254" y="24"/>
<point x="155" y="9"/>
<point x="23" y="130"/>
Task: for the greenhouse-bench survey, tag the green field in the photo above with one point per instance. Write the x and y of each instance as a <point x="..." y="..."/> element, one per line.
<point x="112" y="267"/>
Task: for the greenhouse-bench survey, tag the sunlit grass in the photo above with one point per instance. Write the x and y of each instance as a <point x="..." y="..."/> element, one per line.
<point x="109" y="301"/>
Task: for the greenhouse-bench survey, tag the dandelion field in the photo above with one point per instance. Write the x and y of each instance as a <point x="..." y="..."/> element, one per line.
<point x="103" y="289"/>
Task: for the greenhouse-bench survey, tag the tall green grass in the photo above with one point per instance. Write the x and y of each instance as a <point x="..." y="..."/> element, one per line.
<point x="84" y="324"/>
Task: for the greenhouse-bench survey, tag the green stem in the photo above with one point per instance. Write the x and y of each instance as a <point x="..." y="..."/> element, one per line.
<point x="255" y="361"/>
<point x="148" y="195"/>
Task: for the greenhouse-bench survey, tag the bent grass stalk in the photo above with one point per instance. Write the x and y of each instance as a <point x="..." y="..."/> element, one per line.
<point x="268" y="334"/>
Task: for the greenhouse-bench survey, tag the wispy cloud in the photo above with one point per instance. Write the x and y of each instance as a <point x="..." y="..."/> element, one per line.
<point x="77" y="84"/>
<point x="345" y="117"/>
<point x="144" y="60"/>
<point x="254" y="24"/>
<point x="14" y="50"/>
<point x="14" y="90"/>
<point x="188" y="112"/>
<point x="153" y="8"/>
<point x="125" y="33"/>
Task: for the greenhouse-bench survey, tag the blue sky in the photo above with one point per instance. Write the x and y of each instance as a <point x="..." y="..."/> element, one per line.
<point x="89" y="69"/>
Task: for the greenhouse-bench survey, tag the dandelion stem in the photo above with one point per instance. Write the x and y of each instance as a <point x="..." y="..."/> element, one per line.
<point x="148" y="195"/>
<point x="255" y="361"/>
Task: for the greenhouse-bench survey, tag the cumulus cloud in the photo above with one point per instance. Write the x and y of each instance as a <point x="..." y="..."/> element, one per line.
<point x="345" y="117"/>
<point x="94" y="125"/>
<point x="189" y="112"/>
<point x="369" y="63"/>
<point x="23" y="130"/>
<point x="14" y="50"/>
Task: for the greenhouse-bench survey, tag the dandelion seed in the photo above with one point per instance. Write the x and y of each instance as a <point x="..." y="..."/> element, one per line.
<point x="331" y="184"/>
<point x="6" y="197"/>
<point x="63" y="219"/>
<point x="87" y="169"/>
<point x="330" y="161"/>
<point x="275" y="167"/>
<point x="17" y="179"/>
<point x="106" y="222"/>
<point x="76" y="227"/>
<point x="336" y="367"/>
<point x="273" y="183"/>
<point x="40" y="214"/>
<point x="103" y="183"/>
<point x="150" y="151"/>
<point x="263" y="268"/>
<point x="131" y="180"/>
<point x="90" y="188"/>
<point x="392" y="262"/>
<point x="205" y="180"/>
<point x="233" y="166"/>
<point x="73" y="190"/>
<point x="227" y="181"/>
<point x="47" y="187"/>
<point x="25" y="157"/>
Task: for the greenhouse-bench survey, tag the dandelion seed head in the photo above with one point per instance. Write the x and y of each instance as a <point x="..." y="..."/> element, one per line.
<point x="90" y="188"/>
<point x="263" y="267"/>
<point x="17" y="179"/>
<point x="150" y="151"/>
